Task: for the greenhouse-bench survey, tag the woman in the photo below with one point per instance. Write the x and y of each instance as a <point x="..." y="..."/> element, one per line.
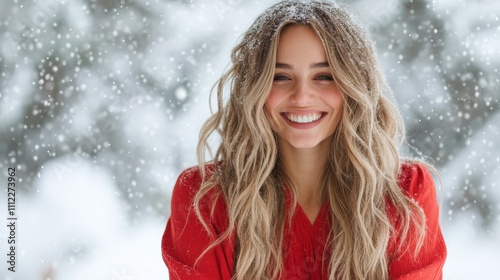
<point x="307" y="182"/>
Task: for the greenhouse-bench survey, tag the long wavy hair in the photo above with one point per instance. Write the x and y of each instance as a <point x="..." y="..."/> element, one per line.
<point x="363" y="164"/>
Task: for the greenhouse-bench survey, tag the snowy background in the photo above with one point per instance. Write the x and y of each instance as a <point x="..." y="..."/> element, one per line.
<point x="101" y="103"/>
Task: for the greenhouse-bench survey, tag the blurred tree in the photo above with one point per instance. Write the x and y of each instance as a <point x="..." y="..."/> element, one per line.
<point x="75" y="72"/>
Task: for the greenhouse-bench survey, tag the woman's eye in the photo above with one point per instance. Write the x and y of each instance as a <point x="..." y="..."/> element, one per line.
<point x="324" y="77"/>
<point x="280" y="77"/>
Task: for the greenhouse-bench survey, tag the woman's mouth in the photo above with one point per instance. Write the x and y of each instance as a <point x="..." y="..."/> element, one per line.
<point x="303" y="118"/>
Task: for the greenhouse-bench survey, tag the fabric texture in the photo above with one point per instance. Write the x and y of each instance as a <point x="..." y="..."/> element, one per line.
<point x="185" y="238"/>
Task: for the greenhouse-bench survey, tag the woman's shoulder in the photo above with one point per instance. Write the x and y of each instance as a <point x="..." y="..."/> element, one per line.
<point x="188" y="185"/>
<point x="211" y="203"/>
<point x="190" y="178"/>
<point x="415" y="178"/>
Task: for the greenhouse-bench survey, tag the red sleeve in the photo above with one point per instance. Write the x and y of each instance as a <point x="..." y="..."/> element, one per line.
<point x="185" y="238"/>
<point x="428" y="264"/>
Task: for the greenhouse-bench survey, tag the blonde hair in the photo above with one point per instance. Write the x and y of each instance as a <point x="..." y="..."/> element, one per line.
<point x="364" y="160"/>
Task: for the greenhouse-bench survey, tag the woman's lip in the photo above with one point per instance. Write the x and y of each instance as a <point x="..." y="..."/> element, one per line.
<point x="303" y="112"/>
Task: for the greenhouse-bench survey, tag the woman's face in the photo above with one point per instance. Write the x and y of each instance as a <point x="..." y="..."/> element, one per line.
<point x="304" y="105"/>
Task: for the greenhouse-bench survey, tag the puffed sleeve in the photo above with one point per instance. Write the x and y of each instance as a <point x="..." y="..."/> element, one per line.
<point x="428" y="263"/>
<point x="185" y="238"/>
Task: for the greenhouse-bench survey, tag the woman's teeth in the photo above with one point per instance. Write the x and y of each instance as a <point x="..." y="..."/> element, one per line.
<point x="303" y="118"/>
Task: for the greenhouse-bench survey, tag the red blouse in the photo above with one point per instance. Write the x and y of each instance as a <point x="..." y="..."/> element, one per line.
<point x="185" y="238"/>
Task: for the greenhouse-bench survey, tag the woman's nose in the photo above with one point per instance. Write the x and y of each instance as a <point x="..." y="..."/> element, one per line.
<point x="302" y="94"/>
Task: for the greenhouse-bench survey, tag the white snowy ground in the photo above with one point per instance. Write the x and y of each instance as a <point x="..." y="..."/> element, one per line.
<point x="471" y="255"/>
<point x="74" y="227"/>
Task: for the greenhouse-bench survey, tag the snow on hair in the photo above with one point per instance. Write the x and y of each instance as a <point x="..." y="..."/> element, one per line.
<point x="364" y="160"/>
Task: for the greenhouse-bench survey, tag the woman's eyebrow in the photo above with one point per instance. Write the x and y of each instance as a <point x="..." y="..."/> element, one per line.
<point x="313" y="65"/>
<point x="320" y="65"/>
<point x="284" y="66"/>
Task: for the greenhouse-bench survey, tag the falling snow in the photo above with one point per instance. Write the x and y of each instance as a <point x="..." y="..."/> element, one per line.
<point x="101" y="103"/>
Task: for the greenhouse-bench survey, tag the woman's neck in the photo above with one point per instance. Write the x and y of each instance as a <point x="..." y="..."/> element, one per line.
<point x="305" y="169"/>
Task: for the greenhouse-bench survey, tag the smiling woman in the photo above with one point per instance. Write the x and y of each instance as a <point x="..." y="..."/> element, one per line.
<point x="307" y="182"/>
